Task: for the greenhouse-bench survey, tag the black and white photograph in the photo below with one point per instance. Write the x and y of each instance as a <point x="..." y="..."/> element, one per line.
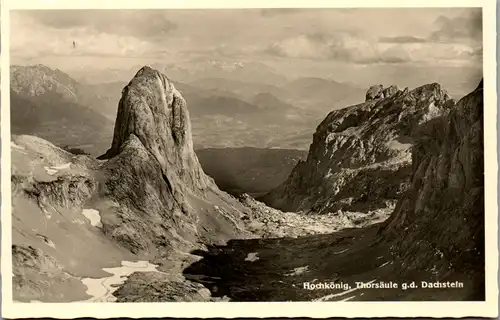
<point x="230" y="155"/>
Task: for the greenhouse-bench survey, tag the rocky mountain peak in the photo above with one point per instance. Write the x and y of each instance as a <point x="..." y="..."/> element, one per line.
<point x="148" y="200"/>
<point x="38" y="80"/>
<point x="155" y="113"/>
<point x="379" y="91"/>
<point x="360" y="157"/>
<point x="441" y="217"/>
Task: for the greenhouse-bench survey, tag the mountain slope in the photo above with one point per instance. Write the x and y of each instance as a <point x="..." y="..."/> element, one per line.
<point x="39" y="79"/>
<point x="360" y="156"/>
<point x="440" y="219"/>
<point x="51" y="105"/>
<point x="433" y="241"/>
<point x="60" y="121"/>
<point x="146" y="199"/>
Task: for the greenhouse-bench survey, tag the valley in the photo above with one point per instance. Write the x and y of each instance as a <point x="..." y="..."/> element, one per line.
<point x="187" y="198"/>
<point x="249" y="170"/>
<point x="221" y="118"/>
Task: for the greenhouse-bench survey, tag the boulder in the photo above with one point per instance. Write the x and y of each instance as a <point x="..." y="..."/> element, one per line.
<point x="375" y="92"/>
<point x="389" y="91"/>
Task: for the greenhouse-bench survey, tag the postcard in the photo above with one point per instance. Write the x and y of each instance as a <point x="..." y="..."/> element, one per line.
<point x="251" y="159"/>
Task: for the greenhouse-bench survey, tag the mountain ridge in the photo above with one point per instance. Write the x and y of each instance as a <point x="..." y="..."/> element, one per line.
<point x="433" y="237"/>
<point x="149" y="195"/>
<point x="357" y="151"/>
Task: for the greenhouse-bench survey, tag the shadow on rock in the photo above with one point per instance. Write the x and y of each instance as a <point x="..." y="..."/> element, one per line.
<point x="353" y="264"/>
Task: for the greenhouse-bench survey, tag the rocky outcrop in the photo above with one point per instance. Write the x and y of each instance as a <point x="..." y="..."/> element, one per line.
<point x="435" y="235"/>
<point x="153" y="117"/>
<point x="389" y="91"/>
<point x="360" y="157"/>
<point x="267" y="222"/>
<point x="34" y="274"/>
<point x="379" y="92"/>
<point x="147" y="198"/>
<point x="440" y="218"/>
<point x="375" y="92"/>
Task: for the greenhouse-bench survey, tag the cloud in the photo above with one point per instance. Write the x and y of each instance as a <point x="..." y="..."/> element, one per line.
<point x="144" y="24"/>
<point x="59" y="42"/>
<point x="341" y="47"/>
<point x="402" y="39"/>
<point x="468" y="26"/>
<point x="349" y="48"/>
<point x="314" y="34"/>
<point x="303" y="46"/>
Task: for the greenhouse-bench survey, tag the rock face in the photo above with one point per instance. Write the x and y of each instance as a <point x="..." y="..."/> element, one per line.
<point x="375" y="92"/>
<point x="153" y="115"/>
<point x="390" y="91"/>
<point x="147" y="198"/>
<point x="440" y="218"/>
<point x="360" y="157"/>
<point x="40" y="79"/>
<point x="379" y="92"/>
<point x="435" y="234"/>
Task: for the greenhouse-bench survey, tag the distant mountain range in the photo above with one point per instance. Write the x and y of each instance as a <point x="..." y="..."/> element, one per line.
<point x="190" y="71"/>
<point x="228" y="107"/>
<point x="50" y="104"/>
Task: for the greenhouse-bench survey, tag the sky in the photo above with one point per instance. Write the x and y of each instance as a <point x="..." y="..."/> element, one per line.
<point x="350" y="43"/>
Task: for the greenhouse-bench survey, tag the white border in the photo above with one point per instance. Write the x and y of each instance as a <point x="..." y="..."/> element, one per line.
<point x="261" y="309"/>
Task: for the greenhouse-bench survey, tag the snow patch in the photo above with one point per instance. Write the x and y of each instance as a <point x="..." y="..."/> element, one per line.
<point x="54" y="169"/>
<point x="93" y="216"/>
<point x="397" y="145"/>
<point x="297" y="271"/>
<point x="342" y="251"/>
<point x="388" y="262"/>
<point x="102" y="289"/>
<point x="47" y="241"/>
<point x="253" y="256"/>
<point x="50" y="171"/>
<point x="62" y="166"/>
<point x="18" y="147"/>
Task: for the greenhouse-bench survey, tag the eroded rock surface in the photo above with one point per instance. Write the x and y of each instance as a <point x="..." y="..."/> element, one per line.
<point x="389" y="91"/>
<point x="375" y="92"/>
<point x="440" y="219"/>
<point x="268" y="222"/>
<point x="151" y="195"/>
<point x="360" y="157"/>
